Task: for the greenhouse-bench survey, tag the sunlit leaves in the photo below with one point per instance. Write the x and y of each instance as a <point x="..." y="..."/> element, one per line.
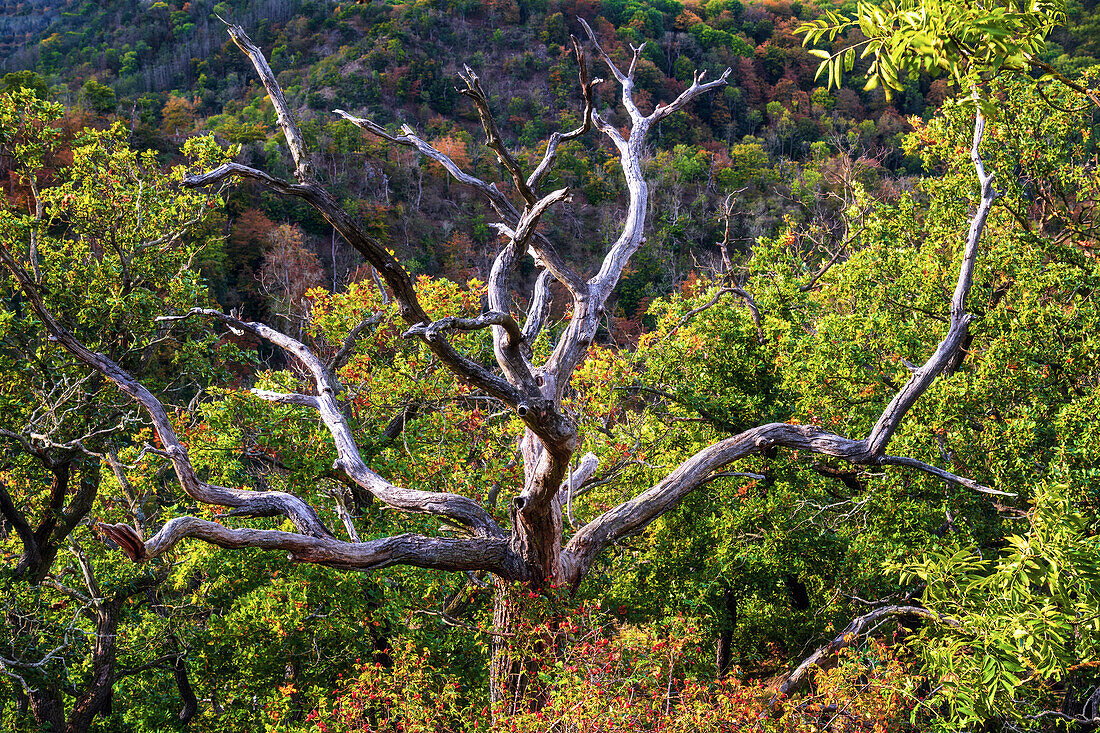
<point x="1026" y="615"/>
<point x="937" y="37"/>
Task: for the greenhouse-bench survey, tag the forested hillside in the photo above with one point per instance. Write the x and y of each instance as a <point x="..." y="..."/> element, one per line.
<point x="775" y="131"/>
<point x="393" y="373"/>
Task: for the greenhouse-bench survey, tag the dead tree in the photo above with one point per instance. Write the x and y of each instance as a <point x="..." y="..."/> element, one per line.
<point x="533" y="549"/>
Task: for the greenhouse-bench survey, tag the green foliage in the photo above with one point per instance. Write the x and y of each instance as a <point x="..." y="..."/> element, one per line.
<point x="773" y="558"/>
<point x="97" y="97"/>
<point x="31" y="80"/>
<point x="1022" y="619"/>
<point x="960" y="39"/>
<point x="110" y="238"/>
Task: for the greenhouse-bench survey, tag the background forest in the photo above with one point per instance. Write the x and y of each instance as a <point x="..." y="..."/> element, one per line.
<point x="802" y="244"/>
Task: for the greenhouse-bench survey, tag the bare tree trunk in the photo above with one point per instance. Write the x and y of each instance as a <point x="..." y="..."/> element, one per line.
<point x="96" y="699"/>
<point x="183" y="683"/>
<point x="523" y="643"/>
<point x="506" y="684"/>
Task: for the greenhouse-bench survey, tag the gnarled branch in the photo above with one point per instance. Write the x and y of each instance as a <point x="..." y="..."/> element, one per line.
<point x="443" y="553"/>
<point x="493" y="140"/>
<point x="557" y="138"/>
<point x="485" y="320"/>
<point x="301" y="514"/>
<point x="455" y="507"/>
<point x="294" y="140"/>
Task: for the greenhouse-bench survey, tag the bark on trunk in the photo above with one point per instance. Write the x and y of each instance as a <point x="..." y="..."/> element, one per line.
<point x="506" y="679"/>
<point x="96" y="699"/>
<point x="523" y="643"/>
<point x="48" y="710"/>
<point x="190" y="706"/>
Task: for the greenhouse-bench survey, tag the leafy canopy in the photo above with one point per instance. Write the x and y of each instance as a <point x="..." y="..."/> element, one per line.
<point x="953" y="37"/>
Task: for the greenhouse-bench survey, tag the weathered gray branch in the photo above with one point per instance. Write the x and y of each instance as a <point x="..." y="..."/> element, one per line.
<point x="853" y="633"/>
<point x="507" y="344"/>
<point x="408" y="138"/>
<point x="443" y="553"/>
<point x="584" y="471"/>
<point x="455" y="323"/>
<point x="557" y="138"/>
<point x="923" y="377"/>
<point x="626" y="80"/>
<point x="282" y="398"/>
<point x="493" y="140"/>
<point x="697" y="88"/>
<point x="229" y="170"/>
<point x="303" y="169"/>
<point x="301" y="514"/>
<point x="588" y="307"/>
<point x="940" y="473"/>
<point x="457" y="508"/>
<point x="539" y="310"/>
<point x="633" y="515"/>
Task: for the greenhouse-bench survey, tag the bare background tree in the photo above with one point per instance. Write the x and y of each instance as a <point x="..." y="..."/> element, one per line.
<point x="533" y="549"/>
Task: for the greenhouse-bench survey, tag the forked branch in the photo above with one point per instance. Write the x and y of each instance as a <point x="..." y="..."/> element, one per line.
<point x="923" y="377"/>
<point x="504" y="208"/>
<point x="557" y="138"/>
<point x="457" y="508"/>
<point x="493" y="140"/>
<point x="633" y="515"/>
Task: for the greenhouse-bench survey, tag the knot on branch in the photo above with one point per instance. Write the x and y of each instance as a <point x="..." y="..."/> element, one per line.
<point x="126" y="538"/>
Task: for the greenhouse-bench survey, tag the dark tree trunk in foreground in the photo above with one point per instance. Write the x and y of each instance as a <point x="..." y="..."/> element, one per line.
<point x="724" y="657"/>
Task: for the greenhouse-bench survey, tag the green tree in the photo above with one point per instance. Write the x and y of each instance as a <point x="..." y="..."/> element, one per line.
<point x="1021" y="620"/>
<point x="105" y="242"/>
<point x="25" y="80"/>
<point x="96" y="97"/>
<point x="964" y="41"/>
